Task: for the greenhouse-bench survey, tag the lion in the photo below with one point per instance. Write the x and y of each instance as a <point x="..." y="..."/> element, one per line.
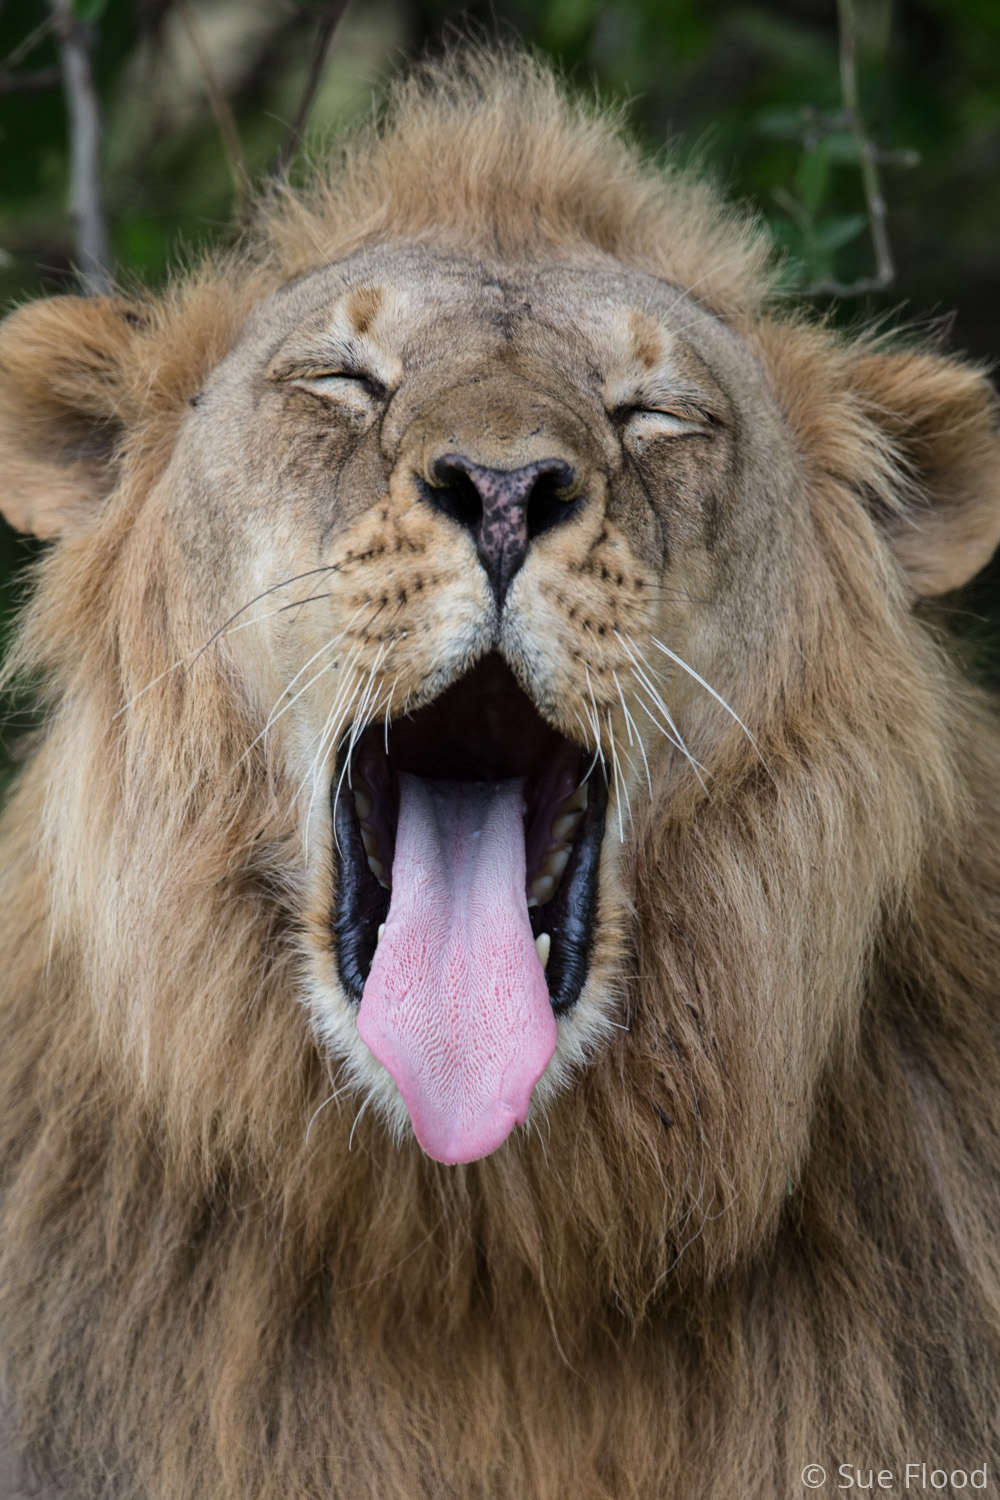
<point x="501" y="973"/>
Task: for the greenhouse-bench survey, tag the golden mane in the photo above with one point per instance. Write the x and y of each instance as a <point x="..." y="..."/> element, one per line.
<point x="760" y="1229"/>
<point x="493" y="151"/>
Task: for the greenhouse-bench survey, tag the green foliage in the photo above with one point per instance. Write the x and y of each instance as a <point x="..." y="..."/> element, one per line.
<point x="89" y="10"/>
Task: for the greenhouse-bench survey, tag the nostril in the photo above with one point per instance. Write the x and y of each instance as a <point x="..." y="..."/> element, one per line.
<point x="455" y="494"/>
<point x="553" y="498"/>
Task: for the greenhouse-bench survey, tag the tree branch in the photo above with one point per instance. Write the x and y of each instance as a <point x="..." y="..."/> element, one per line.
<point x="30" y="42"/>
<point x="868" y="155"/>
<point x="329" y="21"/>
<point x="218" y="103"/>
<point x="75" y="45"/>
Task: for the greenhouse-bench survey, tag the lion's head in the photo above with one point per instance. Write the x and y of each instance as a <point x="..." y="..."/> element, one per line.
<point x="487" y="703"/>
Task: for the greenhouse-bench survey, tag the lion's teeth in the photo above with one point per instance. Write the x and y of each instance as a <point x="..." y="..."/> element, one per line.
<point x="555" y="860"/>
<point x="378" y="935"/>
<point x="576" y="801"/>
<point x="542" y="887"/>
<point x="378" y="870"/>
<point x="543" y="945"/>
<point x="362" y="804"/>
<point x="369" y="840"/>
<point x="565" y="825"/>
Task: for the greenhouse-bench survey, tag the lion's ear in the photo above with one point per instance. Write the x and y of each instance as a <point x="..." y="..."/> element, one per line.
<point x="62" y="387"/>
<point x="942" y="420"/>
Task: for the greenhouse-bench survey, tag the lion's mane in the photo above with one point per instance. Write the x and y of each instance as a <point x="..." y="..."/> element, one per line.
<point x="760" y="1229"/>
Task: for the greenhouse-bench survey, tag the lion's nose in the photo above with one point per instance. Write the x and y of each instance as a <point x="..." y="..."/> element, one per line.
<point x="505" y="509"/>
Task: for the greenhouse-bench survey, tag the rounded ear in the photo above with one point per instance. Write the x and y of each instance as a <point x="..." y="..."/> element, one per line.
<point x="941" y="420"/>
<point x="62" y="386"/>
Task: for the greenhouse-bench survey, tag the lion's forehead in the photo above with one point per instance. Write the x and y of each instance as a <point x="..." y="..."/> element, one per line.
<point x="404" y="307"/>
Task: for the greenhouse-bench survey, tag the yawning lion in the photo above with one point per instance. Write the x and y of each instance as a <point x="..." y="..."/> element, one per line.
<point x="500" y="994"/>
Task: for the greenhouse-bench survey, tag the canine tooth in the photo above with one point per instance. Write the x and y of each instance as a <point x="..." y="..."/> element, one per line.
<point x="532" y="901"/>
<point x="378" y="869"/>
<point x="543" y="945"/>
<point x="378" y="936"/>
<point x="362" y="803"/>
<point x="564" y="825"/>
<point x="542" y="887"/>
<point x="576" y="801"/>
<point x="369" y="840"/>
<point x="555" y="861"/>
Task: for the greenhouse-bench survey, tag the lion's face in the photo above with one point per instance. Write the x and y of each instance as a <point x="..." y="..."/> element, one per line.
<point x="484" y="687"/>
<point x="496" y="543"/>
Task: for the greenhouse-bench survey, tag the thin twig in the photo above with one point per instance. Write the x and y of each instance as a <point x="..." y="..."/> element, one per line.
<point x="328" y="23"/>
<point x="75" y="46"/>
<point x="829" y="287"/>
<point x="28" y="45"/>
<point x="30" y="83"/>
<point x="218" y="103"/>
<point x="885" y="271"/>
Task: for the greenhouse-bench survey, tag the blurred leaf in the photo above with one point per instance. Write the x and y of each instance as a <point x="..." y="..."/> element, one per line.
<point x="831" y="234"/>
<point x="842" y="147"/>
<point x="783" y="122"/>
<point x="89" y="10"/>
<point x="811" y="178"/>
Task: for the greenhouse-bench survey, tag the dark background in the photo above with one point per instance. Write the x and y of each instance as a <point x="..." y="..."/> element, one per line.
<point x="748" y="92"/>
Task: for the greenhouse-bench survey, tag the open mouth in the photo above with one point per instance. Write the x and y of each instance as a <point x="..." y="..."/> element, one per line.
<point x="467" y="840"/>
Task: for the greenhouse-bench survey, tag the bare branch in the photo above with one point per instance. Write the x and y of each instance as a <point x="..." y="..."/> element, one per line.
<point x="218" y="103"/>
<point x="28" y="45"/>
<point x="868" y="155"/>
<point x="75" y="45"/>
<point x="329" y="21"/>
<point x="29" y="83"/>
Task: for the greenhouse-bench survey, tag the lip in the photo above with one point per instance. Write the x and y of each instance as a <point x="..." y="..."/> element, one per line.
<point x="483" y="728"/>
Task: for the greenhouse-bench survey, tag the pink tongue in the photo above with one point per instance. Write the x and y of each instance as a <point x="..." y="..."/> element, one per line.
<point x="456" y="1005"/>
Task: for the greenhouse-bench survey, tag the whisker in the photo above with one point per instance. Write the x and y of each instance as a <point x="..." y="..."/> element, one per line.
<point x="596" y="724"/>
<point x="333" y="641"/>
<point x="709" y="689"/>
<point x="620" y="786"/>
<point x="346" y="692"/>
<point x="192" y="656"/>
<point x="388" y="705"/>
<point x="355" y="730"/>
<point x="672" y="733"/>
<point x="285" y="583"/>
<point x="342" y="704"/>
<point x="357" y="1117"/>
<point x="319" y="1110"/>
<point x="630" y="725"/>
<point x="158" y="678"/>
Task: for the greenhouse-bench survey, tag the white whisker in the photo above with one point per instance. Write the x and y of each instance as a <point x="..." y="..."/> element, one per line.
<point x="361" y="701"/>
<point x="620" y="787"/>
<point x="630" y="725"/>
<point x="326" y="646"/>
<point x="595" y="725"/>
<point x="708" y="688"/>
<point x="357" y="1117"/>
<point x="388" y="705"/>
<point x="672" y="733"/>
<point x="319" y="1110"/>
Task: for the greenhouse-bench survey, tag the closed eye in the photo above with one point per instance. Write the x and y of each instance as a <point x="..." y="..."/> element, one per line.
<point x="340" y="385"/>
<point x="680" y="420"/>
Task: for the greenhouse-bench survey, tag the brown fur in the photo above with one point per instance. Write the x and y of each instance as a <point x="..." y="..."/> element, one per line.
<point x="755" y="1226"/>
